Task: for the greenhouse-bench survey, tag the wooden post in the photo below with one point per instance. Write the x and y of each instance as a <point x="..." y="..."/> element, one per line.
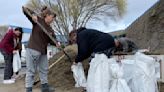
<point x="162" y="68"/>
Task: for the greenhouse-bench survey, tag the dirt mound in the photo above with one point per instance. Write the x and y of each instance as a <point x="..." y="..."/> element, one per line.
<point x="60" y="75"/>
<point x="148" y="30"/>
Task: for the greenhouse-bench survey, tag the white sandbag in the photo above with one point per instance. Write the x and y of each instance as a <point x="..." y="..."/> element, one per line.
<point x="78" y="74"/>
<point x="144" y="79"/>
<point x="157" y="70"/>
<point x="118" y="83"/>
<point x="16" y="62"/>
<point x="128" y="66"/>
<point x="2" y="58"/>
<point x="99" y="74"/>
<point x="128" y="69"/>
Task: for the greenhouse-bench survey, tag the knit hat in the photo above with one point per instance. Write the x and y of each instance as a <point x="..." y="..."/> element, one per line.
<point x="126" y="45"/>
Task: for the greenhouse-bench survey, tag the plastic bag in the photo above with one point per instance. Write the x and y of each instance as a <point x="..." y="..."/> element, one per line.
<point x="16" y="62"/>
<point x="128" y="69"/>
<point x="2" y="58"/>
<point x="144" y="79"/>
<point x="118" y="83"/>
<point x="78" y="74"/>
<point x="99" y="74"/>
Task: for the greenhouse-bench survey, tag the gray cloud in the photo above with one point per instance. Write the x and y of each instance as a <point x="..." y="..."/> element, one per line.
<point x="135" y="8"/>
<point x="11" y="14"/>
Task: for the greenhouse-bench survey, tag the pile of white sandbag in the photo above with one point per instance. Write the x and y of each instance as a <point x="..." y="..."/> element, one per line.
<point x="130" y="75"/>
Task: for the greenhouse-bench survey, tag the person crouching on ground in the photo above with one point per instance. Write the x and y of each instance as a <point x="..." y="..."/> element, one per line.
<point x="7" y="46"/>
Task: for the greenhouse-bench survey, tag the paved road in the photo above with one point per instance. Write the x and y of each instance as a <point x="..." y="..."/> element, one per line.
<point x="1" y="75"/>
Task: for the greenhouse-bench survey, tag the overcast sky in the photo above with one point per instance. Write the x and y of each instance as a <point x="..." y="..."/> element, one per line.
<point x="11" y="14"/>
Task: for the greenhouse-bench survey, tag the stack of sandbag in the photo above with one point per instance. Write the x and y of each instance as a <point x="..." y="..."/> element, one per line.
<point x="130" y="75"/>
<point x="143" y="76"/>
<point x="118" y="82"/>
<point x="99" y="74"/>
<point x="106" y="75"/>
<point x="139" y="72"/>
<point x="79" y="75"/>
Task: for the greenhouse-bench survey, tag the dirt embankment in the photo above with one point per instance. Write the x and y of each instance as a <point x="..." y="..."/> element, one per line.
<point x="148" y="30"/>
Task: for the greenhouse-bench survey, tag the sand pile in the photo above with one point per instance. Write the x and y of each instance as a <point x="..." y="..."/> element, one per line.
<point x="60" y="75"/>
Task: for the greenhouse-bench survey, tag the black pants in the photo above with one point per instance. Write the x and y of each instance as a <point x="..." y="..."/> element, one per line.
<point x="8" y="70"/>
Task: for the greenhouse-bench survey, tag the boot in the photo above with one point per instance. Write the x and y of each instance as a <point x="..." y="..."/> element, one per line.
<point x="46" y="88"/>
<point x="29" y="89"/>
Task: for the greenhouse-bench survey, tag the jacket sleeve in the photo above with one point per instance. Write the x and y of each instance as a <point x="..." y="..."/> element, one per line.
<point x="51" y="42"/>
<point x="27" y="15"/>
<point x="53" y="35"/>
<point x="83" y="49"/>
<point x="9" y="39"/>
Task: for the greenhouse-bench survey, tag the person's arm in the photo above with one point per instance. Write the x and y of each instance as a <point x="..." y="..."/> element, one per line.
<point x="30" y="15"/>
<point x="54" y="36"/>
<point x="83" y="49"/>
<point x="56" y="43"/>
<point x="8" y="42"/>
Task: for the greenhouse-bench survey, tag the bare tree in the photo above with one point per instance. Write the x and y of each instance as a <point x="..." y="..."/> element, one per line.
<point x="72" y="14"/>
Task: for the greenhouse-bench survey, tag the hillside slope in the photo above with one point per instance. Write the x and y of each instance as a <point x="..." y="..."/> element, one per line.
<point x="148" y="30"/>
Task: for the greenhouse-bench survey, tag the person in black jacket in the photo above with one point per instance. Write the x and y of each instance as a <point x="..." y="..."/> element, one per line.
<point x="93" y="41"/>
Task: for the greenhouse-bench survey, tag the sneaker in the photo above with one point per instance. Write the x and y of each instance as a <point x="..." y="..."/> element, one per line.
<point x="15" y="76"/>
<point x="47" y="88"/>
<point x="13" y="79"/>
<point x="10" y="81"/>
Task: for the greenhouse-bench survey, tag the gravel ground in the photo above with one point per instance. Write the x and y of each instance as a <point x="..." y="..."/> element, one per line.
<point x="19" y="86"/>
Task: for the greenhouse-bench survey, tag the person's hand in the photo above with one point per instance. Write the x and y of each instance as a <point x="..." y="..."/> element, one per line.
<point x="73" y="66"/>
<point x="34" y="18"/>
<point x="14" y="51"/>
<point x="23" y="7"/>
<point x="74" y="63"/>
<point x="58" y="45"/>
<point x="144" y="50"/>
